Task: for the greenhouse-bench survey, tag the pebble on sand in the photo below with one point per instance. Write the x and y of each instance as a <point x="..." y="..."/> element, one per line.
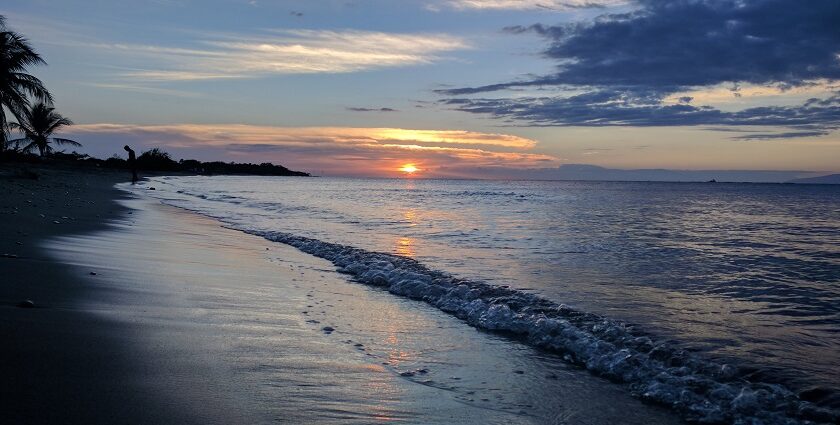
<point x="26" y="304"/>
<point x="328" y="329"/>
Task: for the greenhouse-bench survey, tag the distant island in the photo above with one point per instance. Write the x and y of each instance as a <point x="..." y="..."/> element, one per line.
<point x="829" y="179"/>
<point x="157" y="160"/>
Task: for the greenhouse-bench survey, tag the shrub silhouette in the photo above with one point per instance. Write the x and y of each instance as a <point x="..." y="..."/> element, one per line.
<point x="156" y="160"/>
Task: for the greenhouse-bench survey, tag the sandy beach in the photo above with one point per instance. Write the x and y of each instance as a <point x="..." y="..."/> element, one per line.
<point x="429" y="212"/>
<point x="145" y="313"/>
<point x="62" y="364"/>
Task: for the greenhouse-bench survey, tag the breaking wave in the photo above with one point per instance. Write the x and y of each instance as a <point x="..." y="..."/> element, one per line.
<point x="701" y="390"/>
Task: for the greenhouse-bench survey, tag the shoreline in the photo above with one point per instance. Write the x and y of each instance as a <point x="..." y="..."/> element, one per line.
<point x="60" y="201"/>
<point x="62" y="363"/>
<point x="369" y="258"/>
<point x="65" y="361"/>
<point x="190" y="322"/>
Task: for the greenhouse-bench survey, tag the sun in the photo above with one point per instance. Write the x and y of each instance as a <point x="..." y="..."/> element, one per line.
<point x="409" y="169"/>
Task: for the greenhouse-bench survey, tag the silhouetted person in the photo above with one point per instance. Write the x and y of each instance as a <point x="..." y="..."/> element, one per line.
<point x="132" y="164"/>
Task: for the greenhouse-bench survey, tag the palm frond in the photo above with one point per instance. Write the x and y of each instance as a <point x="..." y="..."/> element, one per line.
<point x="17" y="86"/>
<point x="18" y="141"/>
<point x="31" y="146"/>
<point x="20" y="53"/>
<point x="38" y="122"/>
<point x="61" y="141"/>
<point x="31" y="85"/>
<point x="16" y="103"/>
<point x="58" y="123"/>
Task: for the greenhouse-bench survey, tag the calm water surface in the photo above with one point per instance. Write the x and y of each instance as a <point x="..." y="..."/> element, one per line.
<point x="745" y="273"/>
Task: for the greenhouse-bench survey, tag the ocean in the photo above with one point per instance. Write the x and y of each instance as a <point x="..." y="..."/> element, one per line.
<point x="721" y="300"/>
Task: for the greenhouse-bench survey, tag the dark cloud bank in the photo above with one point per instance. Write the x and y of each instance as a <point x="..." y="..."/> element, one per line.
<point x="620" y="67"/>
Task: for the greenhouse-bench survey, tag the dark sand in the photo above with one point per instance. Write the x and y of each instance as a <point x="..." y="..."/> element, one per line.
<point x="59" y="362"/>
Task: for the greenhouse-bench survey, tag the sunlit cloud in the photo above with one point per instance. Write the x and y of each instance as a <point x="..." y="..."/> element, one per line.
<point x="680" y="63"/>
<point x="286" y="52"/>
<point x="453" y="136"/>
<point x="729" y="93"/>
<point x="327" y="150"/>
<point x="257" y="53"/>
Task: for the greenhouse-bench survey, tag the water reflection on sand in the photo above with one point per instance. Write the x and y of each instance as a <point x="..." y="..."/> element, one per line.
<point x="250" y="324"/>
<point x="742" y="272"/>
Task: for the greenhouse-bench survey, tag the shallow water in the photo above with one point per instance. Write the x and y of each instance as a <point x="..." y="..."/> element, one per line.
<point x="232" y="321"/>
<point x="741" y="273"/>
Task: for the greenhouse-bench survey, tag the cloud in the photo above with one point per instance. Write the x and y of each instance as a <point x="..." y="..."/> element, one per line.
<point x="727" y="93"/>
<point x="325" y="150"/>
<point x="640" y="67"/>
<point x="620" y="108"/>
<point x="784" y="135"/>
<point x="358" y="109"/>
<point x="668" y="45"/>
<point x="220" y="56"/>
<point x="145" y="89"/>
<point x="527" y="4"/>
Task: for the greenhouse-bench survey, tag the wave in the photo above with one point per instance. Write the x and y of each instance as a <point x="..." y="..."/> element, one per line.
<point x="701" y="390"/>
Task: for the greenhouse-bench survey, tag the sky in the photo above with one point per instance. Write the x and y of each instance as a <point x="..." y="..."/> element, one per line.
<point x="458" y="88"/>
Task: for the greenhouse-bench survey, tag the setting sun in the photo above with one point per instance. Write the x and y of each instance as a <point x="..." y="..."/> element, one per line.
<point x="409" y="169"/>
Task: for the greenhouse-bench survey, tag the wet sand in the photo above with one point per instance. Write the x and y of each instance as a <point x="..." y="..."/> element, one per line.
<point x="185" y="321"/>
<point x="60" y="362"/>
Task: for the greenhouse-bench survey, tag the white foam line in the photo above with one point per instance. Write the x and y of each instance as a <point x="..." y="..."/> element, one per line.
<point x="703" y="391"/>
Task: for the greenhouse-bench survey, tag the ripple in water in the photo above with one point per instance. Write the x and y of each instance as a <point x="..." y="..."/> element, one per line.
<point x="739" y="274"/>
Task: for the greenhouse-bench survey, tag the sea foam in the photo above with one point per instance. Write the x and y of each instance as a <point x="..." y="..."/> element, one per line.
<point x="701" y="390"/>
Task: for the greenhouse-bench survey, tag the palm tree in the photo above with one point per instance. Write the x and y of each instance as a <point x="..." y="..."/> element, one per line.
<point x="37" y="124"/>
<point x="16" y="55"/>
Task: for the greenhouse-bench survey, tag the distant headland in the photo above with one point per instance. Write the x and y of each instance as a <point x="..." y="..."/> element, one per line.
<point x="158" y="161"/>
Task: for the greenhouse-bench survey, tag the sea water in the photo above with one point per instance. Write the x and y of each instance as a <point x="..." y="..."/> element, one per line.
<point x="720" y="300"/>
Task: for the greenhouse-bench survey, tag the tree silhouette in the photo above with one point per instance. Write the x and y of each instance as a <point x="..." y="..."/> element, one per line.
<point x="16" y="85"/>
<point x="38" y="123"/>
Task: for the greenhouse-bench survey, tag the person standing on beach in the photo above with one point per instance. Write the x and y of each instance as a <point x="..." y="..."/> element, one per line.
<point x="132" y="163"/>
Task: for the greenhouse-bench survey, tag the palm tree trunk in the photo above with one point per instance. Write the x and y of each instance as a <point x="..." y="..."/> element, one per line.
<point x="3" y="137"/>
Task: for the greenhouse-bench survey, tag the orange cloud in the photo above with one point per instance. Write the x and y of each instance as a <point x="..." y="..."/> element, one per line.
<point x="331" y="150"/>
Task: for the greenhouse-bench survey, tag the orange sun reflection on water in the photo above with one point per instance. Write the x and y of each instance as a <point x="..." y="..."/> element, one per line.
<point x="405" y="247"/>
<point x="410" y="216"/>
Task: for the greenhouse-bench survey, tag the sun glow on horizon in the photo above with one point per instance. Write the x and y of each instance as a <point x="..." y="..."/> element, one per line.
<point x="409" y="168"/>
